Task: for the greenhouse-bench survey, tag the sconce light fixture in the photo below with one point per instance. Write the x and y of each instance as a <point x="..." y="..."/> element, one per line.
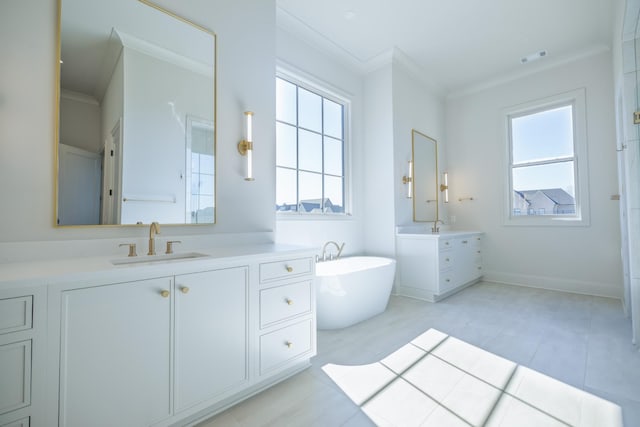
<point x="409" y="180"/>
<point x="444" y="186"/>
<point x="245" y="147"/>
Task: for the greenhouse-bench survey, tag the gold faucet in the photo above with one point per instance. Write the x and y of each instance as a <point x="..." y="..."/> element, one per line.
<point x="153" y="230"/>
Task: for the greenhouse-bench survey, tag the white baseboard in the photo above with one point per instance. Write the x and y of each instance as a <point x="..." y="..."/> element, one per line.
<point x="610" y="290"/>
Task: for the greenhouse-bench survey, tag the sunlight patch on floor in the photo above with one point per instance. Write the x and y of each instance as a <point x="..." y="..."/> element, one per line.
<point x="439" y="380"/>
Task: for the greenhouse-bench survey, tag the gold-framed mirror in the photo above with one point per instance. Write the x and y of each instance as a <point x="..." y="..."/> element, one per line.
<point x="424" y="153"/>
<point x="135" y="140"/>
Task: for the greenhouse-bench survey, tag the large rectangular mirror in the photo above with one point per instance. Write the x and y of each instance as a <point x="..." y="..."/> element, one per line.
<point x="425" y="177"/>
<point x="136" y="130"/>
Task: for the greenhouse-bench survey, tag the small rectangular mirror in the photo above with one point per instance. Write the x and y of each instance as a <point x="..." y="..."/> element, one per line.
<point x="425" y="177"/>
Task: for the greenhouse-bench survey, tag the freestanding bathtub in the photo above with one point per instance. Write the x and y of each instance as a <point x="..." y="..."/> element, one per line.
<point x="350" y="290"/>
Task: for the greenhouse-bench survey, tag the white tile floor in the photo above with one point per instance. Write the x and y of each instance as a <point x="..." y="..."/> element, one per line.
<point x="581" y="340"/>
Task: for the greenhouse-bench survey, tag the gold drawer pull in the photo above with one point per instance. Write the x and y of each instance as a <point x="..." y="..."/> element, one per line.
<point x="289" y="268"/>
<point x="289" y="344"/>
<point x="165" y="293"/>
<point x="184" y="289"/>
<point x="288" y="301"/>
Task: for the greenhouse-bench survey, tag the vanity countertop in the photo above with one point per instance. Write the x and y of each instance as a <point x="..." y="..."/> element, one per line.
<point x="59" y="271"/>
<point x="442" y="234"/>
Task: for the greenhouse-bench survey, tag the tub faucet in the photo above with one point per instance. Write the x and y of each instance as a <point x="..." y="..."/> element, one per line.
<point x="153" y="230"/>
<point x="435" y="228"/>
<point x="324" y="250"/>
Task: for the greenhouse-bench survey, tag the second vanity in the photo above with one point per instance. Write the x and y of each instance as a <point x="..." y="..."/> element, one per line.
<point x="432" y="266"/>
<point x="86" y="342"/>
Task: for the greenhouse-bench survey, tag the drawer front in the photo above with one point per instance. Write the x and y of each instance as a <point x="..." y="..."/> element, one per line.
<point x="447" y="282"/>
<point x="16" y="314"/>
<point x="15" y="376"/>
<point x="283" y="345"/>
<point x="283" y="269"/>
<point x="445" y="244"/>
<point x="24" y="422"/>
<point x="284" y="302"/>
<point x="446" y="260"/>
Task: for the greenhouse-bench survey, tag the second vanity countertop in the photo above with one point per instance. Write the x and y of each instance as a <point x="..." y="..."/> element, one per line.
<point x="101" y="268"/>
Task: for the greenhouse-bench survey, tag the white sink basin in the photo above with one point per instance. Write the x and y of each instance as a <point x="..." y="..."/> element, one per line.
<point x="152" y="259"/>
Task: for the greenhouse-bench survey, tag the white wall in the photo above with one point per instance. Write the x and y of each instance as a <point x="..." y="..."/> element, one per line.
<point x="415" y="106"/>
<point x="245" y="81"/>
<point x="379" y="192"/>
<point x="579" y="259"/>
<point x="80" y="122"/>
<point x="310" y="63"/>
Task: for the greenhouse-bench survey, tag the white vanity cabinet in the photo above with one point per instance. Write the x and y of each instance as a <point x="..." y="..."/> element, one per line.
<point x="154" y="344"/>
<point x="117" y="350"/>
<point x="433" y="266"/>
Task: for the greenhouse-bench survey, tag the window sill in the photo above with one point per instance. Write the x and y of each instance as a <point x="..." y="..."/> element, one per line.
<point x="546" y="221"/>
<point x="284" y="216"/>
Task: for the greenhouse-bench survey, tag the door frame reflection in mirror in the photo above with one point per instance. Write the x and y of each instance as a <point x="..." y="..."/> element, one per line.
<point x="425" y="183"/>
<point x="202" y="61"/>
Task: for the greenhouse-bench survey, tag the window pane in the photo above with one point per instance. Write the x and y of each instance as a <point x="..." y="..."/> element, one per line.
<point x="286" y="189"/>
<point x="310" y="192"/>
<point x="544" y="190"/>
<point x="333" y="194"/>
<point x="544" y="135"/>
<point x="206" y="164"/>
<point x="333" y="156"/>
<point x="309" y="110"/>
<point x="332" y="119"/>
<point x="310" y="151"/>
<point x="286" y="151"/>
<point x="285" y="101"/>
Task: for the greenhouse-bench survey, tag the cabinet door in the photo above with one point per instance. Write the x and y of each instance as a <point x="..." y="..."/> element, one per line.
<point x="211" y="334"/>
<point x="115" y="355"/>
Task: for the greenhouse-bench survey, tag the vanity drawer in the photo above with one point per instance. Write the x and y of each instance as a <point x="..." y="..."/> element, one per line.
<point x="446" y="260"/>
<point x="283" y="269"/>
<point x="16" y="314"/>
<point x="445" y="244"/>
<point x="15" y="376"/>
<point x="447" y="282"/>
<point x="23" y="422"/>
<point x="283" y="345"/>
<point x="284" y="302"/>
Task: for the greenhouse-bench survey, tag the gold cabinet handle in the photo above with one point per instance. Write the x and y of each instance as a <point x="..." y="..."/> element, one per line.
<point x="289" y="344"/>
<point x="289" y="268"/>
<point x="165" y="293"/>
<point x="288" y="301"/>
<point x="184" y="289"/>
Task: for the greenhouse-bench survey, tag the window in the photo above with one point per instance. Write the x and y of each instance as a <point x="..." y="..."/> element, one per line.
<point x="547" y="140"/>
<point x="200" y="171"/>
<point x="310" y="147"/>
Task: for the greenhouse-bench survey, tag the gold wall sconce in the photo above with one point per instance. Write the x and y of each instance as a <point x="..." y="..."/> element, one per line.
<point x="444" y="186"/>
<point x="245" y="147"/>
<point x="408" y="180"/>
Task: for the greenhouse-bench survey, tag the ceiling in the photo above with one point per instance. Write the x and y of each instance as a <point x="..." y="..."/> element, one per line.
<point x="456" y="43"/>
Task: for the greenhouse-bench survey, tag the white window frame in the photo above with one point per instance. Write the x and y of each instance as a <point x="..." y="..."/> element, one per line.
<point x="331" y="93"/>
<point x="577" y="99"/>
